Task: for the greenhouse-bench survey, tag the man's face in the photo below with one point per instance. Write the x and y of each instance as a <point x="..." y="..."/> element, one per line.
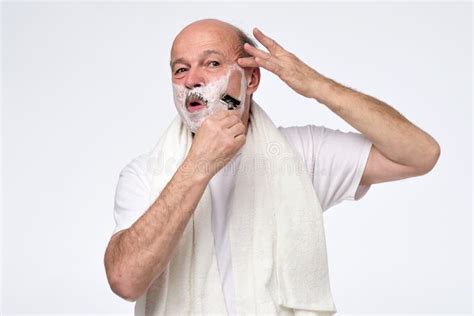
<point x="203" y="68"/>
<point x="201" y="54"/>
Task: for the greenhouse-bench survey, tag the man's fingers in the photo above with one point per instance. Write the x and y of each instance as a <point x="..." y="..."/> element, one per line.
<point x="247" y="62"/>
<point x="219" y="115"/>
<point x="268" y="42"/>
<point x="231" y="118"/>
<point x="237" y="129"/>
<point x="239" y="139"/>
<point x="256" y="52"/>
<point x="268" y="65"/>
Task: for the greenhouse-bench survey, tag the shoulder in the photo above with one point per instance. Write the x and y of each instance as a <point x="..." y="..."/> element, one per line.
<point x="335" y="160"/>
<point x="306" y="140"/>
<point x="316" y="132"/>
<point x="309" y="134"/>
<point x="317" y="136"/>
<point x="301" y="132"/>
<point x="136" y="171"/>
<point x="138" y="164"/>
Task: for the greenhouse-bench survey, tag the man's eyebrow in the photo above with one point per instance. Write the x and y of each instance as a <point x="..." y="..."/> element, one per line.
<point x="204" y="54"/>
<point x="177" y="61"/>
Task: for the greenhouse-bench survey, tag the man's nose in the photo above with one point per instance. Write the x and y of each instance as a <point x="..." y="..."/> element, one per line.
<point x="194" y="79"/>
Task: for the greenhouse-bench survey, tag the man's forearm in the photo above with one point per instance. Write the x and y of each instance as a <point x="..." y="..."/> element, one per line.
<point x="396" y="137"/>
<point x="140" y="254"/>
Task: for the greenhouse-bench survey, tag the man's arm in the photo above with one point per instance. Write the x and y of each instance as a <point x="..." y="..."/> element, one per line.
<point x="136" y="256"/>
<point x="400" y="149"/>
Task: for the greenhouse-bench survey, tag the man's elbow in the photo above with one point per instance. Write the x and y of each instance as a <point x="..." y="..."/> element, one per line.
<point x="119" y="284"/>
<point x="124" y="291"/>
<point x="430" y="159"/>
<point x="123" y="288"/>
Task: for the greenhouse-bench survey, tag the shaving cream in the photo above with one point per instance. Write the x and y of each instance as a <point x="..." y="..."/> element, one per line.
<point x="212" y="94"/>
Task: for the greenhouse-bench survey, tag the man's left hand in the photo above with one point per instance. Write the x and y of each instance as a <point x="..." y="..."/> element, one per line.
<point x="295" y="73"/>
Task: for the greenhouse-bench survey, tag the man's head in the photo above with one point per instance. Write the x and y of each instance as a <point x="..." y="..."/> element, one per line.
<point x="204" y="59"/>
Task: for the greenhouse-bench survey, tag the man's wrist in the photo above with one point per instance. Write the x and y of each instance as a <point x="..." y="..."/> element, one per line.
<point x="196" y="170"/>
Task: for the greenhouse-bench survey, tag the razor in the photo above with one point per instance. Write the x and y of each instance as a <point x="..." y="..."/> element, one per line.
<point x="231" y="102"/>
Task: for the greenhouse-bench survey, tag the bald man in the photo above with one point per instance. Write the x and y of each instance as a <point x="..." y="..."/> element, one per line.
<point x="342" y="166"/>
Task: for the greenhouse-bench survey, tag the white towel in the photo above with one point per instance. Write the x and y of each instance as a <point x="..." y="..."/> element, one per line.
<point x="276" y="232"/>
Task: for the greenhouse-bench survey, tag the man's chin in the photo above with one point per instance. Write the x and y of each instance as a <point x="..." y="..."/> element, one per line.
<point x="194" y="125"/>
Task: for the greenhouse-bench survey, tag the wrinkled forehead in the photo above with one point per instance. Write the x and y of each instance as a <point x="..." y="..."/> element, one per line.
<point x="193" y="43"/>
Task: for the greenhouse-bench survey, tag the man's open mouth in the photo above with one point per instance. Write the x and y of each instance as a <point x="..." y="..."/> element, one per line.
<point x="195" y="102"/>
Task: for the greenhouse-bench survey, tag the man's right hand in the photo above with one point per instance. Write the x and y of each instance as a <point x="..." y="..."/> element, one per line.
<point x="218" y="139"/>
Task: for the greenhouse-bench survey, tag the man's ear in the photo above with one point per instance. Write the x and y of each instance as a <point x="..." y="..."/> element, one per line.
<point x="254" y="80"/>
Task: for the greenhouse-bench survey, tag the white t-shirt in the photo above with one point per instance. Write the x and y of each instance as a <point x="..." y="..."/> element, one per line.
<point x="335" y="161"/>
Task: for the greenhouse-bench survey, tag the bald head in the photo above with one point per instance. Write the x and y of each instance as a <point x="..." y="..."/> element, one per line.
<point x="231" y="37"/>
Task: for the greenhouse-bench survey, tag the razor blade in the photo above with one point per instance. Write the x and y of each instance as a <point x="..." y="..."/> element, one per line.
<point x="232" y="103"/>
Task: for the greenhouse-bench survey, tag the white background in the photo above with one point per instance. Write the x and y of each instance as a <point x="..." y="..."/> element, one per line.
<point x="86" y="88"/>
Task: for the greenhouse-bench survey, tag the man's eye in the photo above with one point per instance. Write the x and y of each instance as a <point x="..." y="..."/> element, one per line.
<point x="179" y="70"/>
<point x="213" y="63"/>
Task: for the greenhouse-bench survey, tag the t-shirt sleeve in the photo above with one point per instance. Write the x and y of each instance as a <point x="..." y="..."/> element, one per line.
<point x="335" y="161"/>
<point x="131" y="194"/>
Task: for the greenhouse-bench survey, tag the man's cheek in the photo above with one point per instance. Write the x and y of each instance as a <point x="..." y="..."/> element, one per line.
<point x="234" y="85"/>
<point x="179" y="94"/>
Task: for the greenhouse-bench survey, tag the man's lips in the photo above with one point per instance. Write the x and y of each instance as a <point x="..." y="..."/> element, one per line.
<point x="195" y="106"/>
<point x="195" y="102"/>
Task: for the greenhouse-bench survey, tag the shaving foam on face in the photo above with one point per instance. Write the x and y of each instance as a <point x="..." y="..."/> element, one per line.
<point x="212" y="93"/>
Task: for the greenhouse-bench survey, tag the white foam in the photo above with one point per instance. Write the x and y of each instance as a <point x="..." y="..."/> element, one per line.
<point x="212" y="92"/>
